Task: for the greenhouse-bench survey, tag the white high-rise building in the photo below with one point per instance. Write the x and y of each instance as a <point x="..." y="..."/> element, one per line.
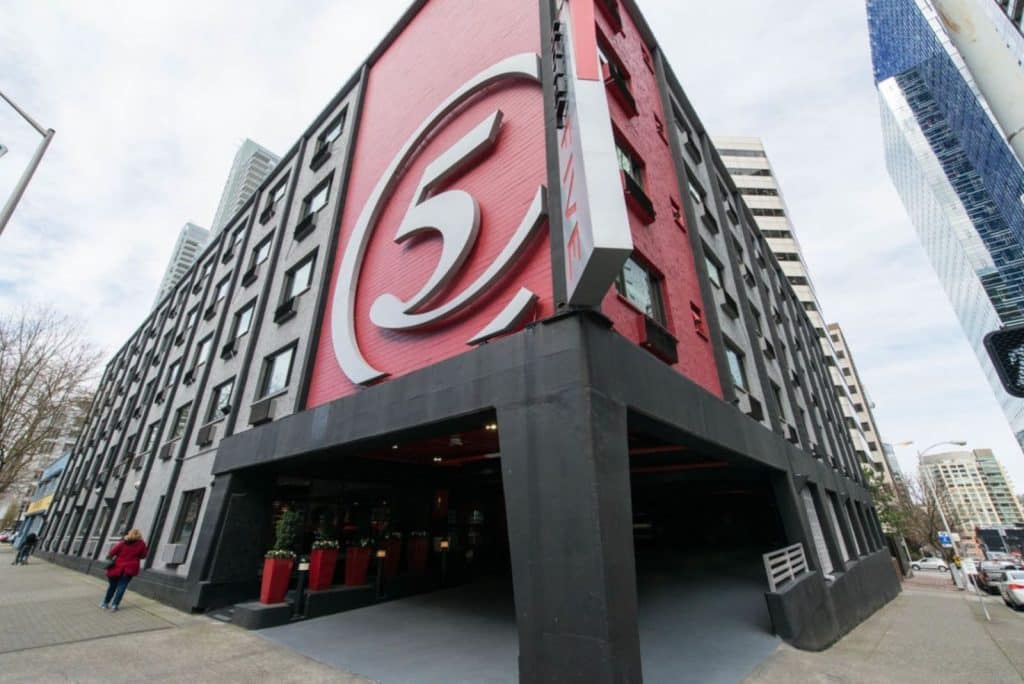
<point x="191" y="242"/>
<point x="973" y="489"/>
<point x="748" y="164"/>
<point x="252" y="164"/>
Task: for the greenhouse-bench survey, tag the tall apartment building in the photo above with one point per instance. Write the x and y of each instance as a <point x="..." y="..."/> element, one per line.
<point x="748" y="164"/>
<point x="602" y="348"/>
<point x="251" y="166"/>
<point x="1014" y="12"/>
<point x="861" y="403"/>
<point x="973" y="488"/>
<point x="955" y="172"/>
<point x="191" y="241"/>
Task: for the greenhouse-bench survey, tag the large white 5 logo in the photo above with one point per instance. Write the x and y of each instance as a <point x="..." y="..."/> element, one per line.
<point x="454" y="214"/>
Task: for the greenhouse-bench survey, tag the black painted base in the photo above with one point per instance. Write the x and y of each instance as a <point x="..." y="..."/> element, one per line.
<point x="812" y="614"/>
<point x="256" y="615"/>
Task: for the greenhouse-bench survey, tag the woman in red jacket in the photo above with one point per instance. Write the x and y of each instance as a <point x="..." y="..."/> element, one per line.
<point x="126" y="554"/>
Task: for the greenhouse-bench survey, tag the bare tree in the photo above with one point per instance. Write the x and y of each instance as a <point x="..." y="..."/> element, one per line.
<point x="45" y="362"/>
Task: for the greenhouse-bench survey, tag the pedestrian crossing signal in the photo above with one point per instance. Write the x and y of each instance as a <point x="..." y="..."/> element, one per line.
<point x="1006" y="349"/>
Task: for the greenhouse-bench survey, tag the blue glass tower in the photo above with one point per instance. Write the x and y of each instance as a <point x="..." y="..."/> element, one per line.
<point x="955" y="172"/>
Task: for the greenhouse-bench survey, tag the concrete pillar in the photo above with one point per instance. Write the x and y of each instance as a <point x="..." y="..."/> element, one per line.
<point x="791" y="512"/>
<point x="565" y="465"/>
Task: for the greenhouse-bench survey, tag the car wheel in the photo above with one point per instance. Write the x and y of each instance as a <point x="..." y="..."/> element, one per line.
<point x="915" y="566"/>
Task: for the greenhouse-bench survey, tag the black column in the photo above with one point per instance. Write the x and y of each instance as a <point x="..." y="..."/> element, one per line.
<point x="794" y="519"/>
<point x="565" y="463"/>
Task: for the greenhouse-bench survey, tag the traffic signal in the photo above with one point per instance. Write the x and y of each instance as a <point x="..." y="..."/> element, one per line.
<point x="1006" y="349"/>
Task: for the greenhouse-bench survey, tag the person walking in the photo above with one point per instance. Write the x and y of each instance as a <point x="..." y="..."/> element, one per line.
<point x="126" y="555"/>
<point x="28" y="545"/>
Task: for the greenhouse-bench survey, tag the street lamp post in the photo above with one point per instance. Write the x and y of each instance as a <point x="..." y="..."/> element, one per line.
<point x="19" y="189"/>
<point x="927" y="478"/>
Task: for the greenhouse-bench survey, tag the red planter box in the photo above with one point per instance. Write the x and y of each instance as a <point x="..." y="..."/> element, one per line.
<point x="276" y="573"/>
<point x="394" y="549"/>
<point x="357" y="562"/>
<point x="419" y="549"/>
<point x="321" y="568"/>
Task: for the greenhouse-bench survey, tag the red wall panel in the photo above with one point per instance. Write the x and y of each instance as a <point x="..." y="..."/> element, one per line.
<point x="662" y="243"/>
<point x="446" y="44"/>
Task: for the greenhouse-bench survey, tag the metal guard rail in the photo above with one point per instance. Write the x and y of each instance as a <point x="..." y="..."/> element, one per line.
<point x="785" y="565"/>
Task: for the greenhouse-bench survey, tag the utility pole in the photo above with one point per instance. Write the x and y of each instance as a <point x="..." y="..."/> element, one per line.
<point x="33" y="164"/>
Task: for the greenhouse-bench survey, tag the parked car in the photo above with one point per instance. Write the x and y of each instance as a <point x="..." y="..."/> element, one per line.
<point x="1013" y="589"/>
<point x="929" y="563"/>
<point x="991" y="573"/>
<point x="7" y="536"/>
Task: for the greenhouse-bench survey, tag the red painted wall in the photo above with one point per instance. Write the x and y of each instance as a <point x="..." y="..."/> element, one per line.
<point x="447" y="43"/>
<point x="663" y="243"/>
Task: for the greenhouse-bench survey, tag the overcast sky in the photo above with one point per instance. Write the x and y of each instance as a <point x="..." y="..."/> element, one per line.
<point x="150" y="102"/>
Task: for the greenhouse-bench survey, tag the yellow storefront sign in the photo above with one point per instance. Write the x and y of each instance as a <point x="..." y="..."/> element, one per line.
<point x="40" y="505"/>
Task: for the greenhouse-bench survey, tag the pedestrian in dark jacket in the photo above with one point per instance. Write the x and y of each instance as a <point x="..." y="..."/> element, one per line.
<point x="28" y="545"/>
<point x="126" y="555"/>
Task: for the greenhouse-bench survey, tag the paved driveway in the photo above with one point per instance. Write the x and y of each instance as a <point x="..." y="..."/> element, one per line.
<point x="703" y="622"/>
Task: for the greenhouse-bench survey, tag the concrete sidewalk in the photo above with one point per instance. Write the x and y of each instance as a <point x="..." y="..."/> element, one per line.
<point x="925" y="635"/>
<point x="51" y="629"/>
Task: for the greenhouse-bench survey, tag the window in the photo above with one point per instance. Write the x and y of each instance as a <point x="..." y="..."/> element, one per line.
<point x="236" y="241"/>
<point x="261" y="253"/>
<point x="612" y="68"/>
<point x="767" y="212"/>
<point x="180" y="418"/>
<point x="190" y="321"/>
<point x="714" y="269"/>
<point x="725" y="152"/>
<point x="298" y="279"/>
<point x="276" y="195"/>
<point x="172" y="372"/>
<point x="220" y="400"/>
<point x="121" y="524"/>
<point x="188" y="516"/>
<point x="277" y="370"/>
<point x="777" y="392"/>
<point x="222" y="288"/>
<point x="737" y="368"/>
<point x="147" y="394"/>
<point x="743" y="171"/>
<point x="331" y="133"/>
<point x="770" y="192"/>
<point x="629" y="164"/>
<point x="642" y="288"/>
<point x="317" y="199"/>
<point x="147" y="442"/>
<point x="203" y="351"/>
<point x="243" y="319"/>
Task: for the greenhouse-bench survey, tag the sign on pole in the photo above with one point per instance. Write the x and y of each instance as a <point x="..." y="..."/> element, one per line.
<point x="945" y="540"/>
<point x="1006" y="349"/>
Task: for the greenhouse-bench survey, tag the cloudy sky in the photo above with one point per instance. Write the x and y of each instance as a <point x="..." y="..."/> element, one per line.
<point x="151" y="100"/>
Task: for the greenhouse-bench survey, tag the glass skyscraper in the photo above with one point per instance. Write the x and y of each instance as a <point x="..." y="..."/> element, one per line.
<point x="955" y="172"/>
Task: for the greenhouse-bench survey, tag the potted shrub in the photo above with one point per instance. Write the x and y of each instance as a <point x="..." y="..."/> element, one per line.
<point x="357" y="562"/>
<point x="419" y="549"/>
<point x="278" y="561"/>
<point x="322" y="562"/>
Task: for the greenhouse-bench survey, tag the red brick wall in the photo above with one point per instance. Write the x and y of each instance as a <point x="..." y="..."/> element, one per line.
<point x="447" y="43"/>
<point x="663" y="243"/>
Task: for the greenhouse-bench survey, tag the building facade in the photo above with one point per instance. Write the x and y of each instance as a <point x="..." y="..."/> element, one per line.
<point x="250" y="167"/>
<point x="861" y="404"/>
<point x="34" y="514"/>
<point x="1014" y="12"/>
<point x="191" y="241"/>
<point x="973" y="488"/>
<point x="955" y="172"/>
<point x="747" y="162"/>
<point x="526" y="306"/>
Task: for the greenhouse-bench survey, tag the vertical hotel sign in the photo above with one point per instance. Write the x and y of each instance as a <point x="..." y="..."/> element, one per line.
<point x="595" y="225"/>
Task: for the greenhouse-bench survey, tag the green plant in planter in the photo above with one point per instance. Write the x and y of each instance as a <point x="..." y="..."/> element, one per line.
<point x="326" y="536"/>
<point x="325" y="544"/>
<point x="285" y="534"/>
